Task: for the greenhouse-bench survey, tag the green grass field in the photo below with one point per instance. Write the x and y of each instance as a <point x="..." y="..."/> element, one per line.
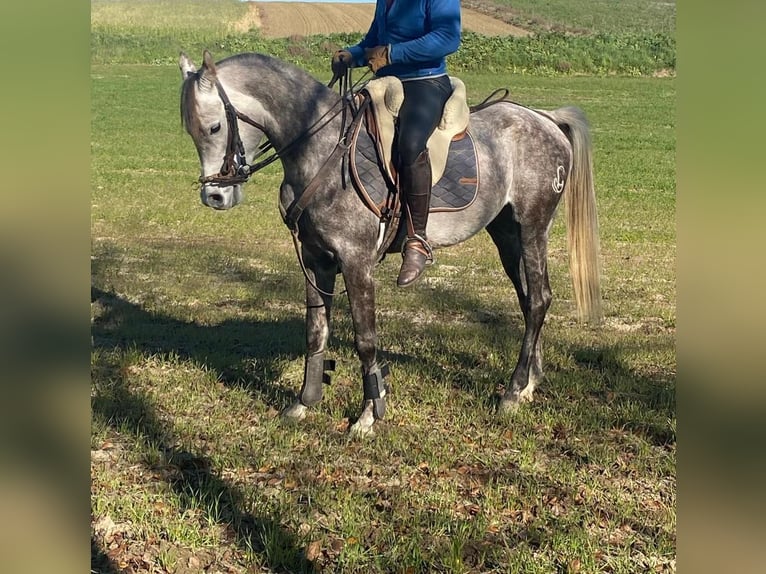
<point x="137" y="31"/>
<point x="197" y="323"/>
<point x="584" y="16"/>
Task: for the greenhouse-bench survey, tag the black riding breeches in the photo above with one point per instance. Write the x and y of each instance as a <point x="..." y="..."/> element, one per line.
<point x="419" y="115"/>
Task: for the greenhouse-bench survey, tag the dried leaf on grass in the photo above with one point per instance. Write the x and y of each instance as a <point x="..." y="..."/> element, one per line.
<point x="313" y="551"/>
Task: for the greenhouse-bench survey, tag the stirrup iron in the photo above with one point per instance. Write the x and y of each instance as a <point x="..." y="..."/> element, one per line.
<point x="423" y="242"/>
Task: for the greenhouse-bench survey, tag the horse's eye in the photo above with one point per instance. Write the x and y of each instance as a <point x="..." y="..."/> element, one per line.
<point x="215" y="129"/>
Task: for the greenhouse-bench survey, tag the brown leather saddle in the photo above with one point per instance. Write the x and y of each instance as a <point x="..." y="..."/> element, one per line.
<point x="372" y="170"/>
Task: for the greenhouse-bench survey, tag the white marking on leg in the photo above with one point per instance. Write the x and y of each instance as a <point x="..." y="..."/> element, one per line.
<point x="525" y="396"/>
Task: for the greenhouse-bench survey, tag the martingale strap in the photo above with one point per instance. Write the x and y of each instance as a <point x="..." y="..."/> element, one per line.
<point x="294" y="212"/>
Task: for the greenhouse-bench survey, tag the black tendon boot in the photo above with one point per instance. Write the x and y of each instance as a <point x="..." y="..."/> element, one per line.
<point x="416" y="191"/>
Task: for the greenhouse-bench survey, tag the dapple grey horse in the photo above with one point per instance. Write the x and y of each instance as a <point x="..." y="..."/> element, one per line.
<point x="528" y="160"/>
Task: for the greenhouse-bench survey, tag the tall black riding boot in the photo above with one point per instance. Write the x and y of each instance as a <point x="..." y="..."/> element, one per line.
<point x="415" y="187"/>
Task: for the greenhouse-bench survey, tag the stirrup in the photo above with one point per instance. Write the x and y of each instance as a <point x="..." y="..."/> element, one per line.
<point x="424" y="242"/>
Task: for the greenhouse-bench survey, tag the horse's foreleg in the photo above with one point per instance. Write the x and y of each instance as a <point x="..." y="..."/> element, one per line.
<point x="318" y="308"/>
<point x="361" y="296"/>
<point x="528" y="371"/>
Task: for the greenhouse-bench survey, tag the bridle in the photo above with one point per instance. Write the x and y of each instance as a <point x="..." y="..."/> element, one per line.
<point x="235" y="169"/>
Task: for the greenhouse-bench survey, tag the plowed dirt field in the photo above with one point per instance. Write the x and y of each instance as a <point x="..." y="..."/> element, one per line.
<point x="280" y="19"/>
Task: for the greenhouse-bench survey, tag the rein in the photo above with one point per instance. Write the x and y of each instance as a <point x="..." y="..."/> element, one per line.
<point x="235" y="168"/>
<point x="294" y="212"/>
<point x="494" y="98"/>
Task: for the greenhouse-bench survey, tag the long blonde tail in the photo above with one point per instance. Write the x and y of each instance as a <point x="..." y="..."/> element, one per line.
<point x="581" y="216"/>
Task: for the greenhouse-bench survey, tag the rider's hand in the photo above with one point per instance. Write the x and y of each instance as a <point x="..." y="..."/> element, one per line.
<point x="341" y="61"/>
<point x="377" y="57"/>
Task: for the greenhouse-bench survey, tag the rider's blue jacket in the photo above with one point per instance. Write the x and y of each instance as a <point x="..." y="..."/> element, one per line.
<point x="419" y="35"/>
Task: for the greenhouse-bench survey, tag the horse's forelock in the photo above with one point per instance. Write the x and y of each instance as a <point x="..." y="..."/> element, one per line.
<point x="189" y="119"/>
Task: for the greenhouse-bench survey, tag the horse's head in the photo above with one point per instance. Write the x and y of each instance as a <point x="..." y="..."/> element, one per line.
<point x="205" y="119"/>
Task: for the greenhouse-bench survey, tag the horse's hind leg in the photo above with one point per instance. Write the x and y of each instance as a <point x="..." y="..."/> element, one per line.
<point x="538" y="298"/>
<point x="525" y="262"/>
<point x="318" y="308"/>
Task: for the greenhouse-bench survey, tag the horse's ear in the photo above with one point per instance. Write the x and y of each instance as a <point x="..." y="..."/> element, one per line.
<point x="187" y="66"/>
<point x="207" y="63"/>
<point x="207" y="71"/>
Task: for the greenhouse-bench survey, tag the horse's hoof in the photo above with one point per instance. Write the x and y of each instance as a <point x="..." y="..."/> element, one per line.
<point x="295" y="412"/>
<point x="361" y="430"/>
<point x="364" y="425"/>
<point x="507" y="408"/>
<point x="510" y="404"/>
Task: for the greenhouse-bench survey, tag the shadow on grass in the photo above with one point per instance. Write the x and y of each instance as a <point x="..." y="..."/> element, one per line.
<point x="228" y="346"/>
<point x="249" y="353"/>
<point x="192" y="478"/>
<point x="100" y="562"/>
<point x="638" y="400"/>
<point x="244" y="353"/>
<point x="475" y="351"/>
<point x="637" y="403"/>
<point x="461" y="343"/>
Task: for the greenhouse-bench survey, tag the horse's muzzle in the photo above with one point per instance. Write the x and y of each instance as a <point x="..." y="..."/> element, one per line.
<point x="221" y="198"/>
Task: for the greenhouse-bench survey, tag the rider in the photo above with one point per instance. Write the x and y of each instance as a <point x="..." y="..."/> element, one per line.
<point x="410" y="39"/>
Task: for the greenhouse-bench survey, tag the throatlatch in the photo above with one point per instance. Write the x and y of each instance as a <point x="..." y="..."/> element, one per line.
<point x="314" y="376"/>
<point x="376" y="389"/>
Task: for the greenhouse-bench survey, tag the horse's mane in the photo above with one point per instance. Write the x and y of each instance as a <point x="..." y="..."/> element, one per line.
<point x="271" y="64"/>
<point x="260" y="60"/>
<point x="254" y="61"/>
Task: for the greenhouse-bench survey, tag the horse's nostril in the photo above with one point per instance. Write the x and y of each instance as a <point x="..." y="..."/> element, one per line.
<point x="216" y="197"/>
